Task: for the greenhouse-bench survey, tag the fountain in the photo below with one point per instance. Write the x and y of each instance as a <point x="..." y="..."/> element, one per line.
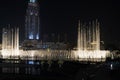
<point x="10" y="43"/>
<point x="89" y="42"/>
<point x="88" y="48"/>
<point x="89" y="36"/>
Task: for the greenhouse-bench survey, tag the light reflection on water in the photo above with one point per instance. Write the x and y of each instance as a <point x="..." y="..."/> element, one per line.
<point x="45" y="68"/>
<point x="27" y="67"/>
<point x="24" y="70"/>
<point x="68" y="70"/>
<point x="10" y="70"/>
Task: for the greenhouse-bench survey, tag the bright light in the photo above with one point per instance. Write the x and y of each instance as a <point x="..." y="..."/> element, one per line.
<point x="111" y="66"/>
<point x="33" y="1"/>
<point x="91" y="54"/>
<point x="37" y="36"/>
<point x="30" y="62"/>
<point x="89" y="43"/>
<point x="30" y="36"/>
<point x="10" y="53"/>
<point x="10" y="43"/>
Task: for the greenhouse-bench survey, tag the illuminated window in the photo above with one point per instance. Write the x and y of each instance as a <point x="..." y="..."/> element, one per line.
<point x="32" y="1"/>
<point x="30" y="36"/>
<point x="37" y="36"/>
<point x="31" y="13"/>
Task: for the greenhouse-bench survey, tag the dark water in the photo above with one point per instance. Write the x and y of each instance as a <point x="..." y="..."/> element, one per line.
<point x="58" y="70"/>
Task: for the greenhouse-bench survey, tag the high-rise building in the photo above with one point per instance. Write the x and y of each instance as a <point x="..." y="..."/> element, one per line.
<point x="32" y="23"/>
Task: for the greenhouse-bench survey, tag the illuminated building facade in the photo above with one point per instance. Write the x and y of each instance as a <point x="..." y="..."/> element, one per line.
<point x="32" y="21"/>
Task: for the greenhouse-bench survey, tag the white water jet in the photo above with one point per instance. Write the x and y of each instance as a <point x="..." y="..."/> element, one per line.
<point x="88" y="44"/>
<point x="10" y="42"/>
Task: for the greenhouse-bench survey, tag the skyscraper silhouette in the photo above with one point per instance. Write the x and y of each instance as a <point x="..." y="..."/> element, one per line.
<point x="32" y="23"/>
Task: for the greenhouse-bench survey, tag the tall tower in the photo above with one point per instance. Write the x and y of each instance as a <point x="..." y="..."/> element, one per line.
<point x="32" y="21"/>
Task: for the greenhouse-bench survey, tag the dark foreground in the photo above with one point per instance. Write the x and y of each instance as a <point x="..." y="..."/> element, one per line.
<point x="68" y="70"/>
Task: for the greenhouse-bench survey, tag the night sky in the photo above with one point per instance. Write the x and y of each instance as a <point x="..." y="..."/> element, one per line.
<point x="61" y="16"/>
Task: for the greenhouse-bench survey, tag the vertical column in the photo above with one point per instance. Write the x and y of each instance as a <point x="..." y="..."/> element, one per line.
<point x="89" y="36"/>
<point x="79" y="37"/>
<point x="17" y="38"/>
<point x="3" y="42"/>
<point x="38" y="29"/>
<point x="84" y="36"/>
<point x="93" y="36"/>
<point x="3" y="34"/>
<point x="16" y="41"/>
<point x="12" y="43"/>
<point x="97" y="35"/>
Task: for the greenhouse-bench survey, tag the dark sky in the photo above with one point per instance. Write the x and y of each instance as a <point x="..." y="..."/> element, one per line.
<point x="61" y="16"/>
